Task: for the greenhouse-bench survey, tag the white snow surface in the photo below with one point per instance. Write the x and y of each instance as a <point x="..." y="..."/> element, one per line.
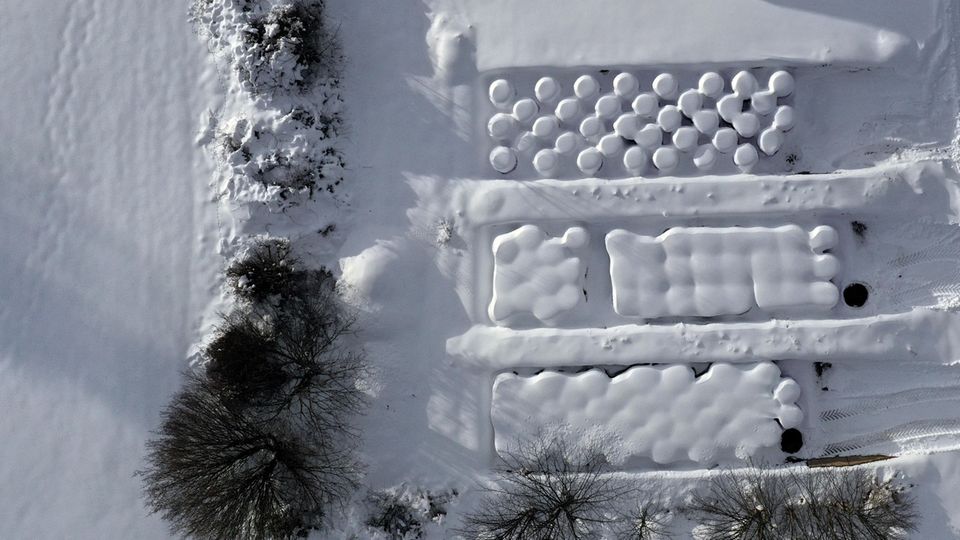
<point x="663" y="414"/>
<point x="108" y="259"/>
<point x="667" y="32"/>
<point x="872" y="121"/>
<point x="109" y="256"/>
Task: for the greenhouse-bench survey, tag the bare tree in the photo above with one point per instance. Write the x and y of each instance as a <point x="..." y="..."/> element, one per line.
<point x="747" y="506"/>
<point x="853" y="503"/>
<point x="261" y="443"/>
<point x="840" y="504"/>
<point x="293" y="359"/>
<point x="547" y="490"/>
<point x="213" y="472"/>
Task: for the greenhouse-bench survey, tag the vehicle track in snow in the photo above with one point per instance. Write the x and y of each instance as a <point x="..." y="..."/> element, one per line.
<point x="866" y="405"/>
<point x="902" y="437"/>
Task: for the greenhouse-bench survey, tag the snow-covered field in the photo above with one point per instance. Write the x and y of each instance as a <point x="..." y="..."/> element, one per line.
<point x="637" y="224"/>
<point x="510" y="108"/>
<point x="108" y="254"/>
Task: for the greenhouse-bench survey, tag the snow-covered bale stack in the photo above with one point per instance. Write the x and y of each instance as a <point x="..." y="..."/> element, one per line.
<point x="664" y="414"/>
<point x="536" y="274"/>
<point x="639" y="125"/>
<point x="705" y="271"/>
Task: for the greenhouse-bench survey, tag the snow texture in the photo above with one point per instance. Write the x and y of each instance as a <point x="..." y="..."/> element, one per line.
<point x="661" y="413"/>
<point x="571" y="33"/>
<point x="537" y="274"/>
<point x="718" y="271"/>
<point x="109" y="254"/>
<point x="633" y="128"/>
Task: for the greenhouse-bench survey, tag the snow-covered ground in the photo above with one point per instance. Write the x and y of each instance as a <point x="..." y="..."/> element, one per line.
<point x="474" y="234"/>
<point x="108" y="258"/>
<point x="491" y="232"/>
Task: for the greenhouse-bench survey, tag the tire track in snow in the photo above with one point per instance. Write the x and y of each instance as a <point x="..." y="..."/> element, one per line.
<point x="901" y="435"/>
<point x="879" y="403"/>
<point x="946" y="248"/>
<point x="932" y="272"/>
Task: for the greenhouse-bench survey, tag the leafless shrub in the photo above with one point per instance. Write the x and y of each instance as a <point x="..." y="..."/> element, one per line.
<point x="648" y="519"/>
<point x="547" y="490"/>
<point x="749" y="506"/>
<point x="266" y="269"/>
<point x="855" y="504"/>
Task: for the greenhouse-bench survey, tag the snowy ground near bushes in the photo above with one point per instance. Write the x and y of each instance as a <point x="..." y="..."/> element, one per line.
<point x="112" y="243"/>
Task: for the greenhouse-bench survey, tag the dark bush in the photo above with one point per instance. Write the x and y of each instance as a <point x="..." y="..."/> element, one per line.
<point x="545" y="491"/>
<point x="395" y="517"/>
<point x="267" y="269"/>
<point x="294" y="357"/>
<point x="215" y="472"/>
<point x="289" y="47"/>
<point x="239" y="361"/>
<point x="402" y="513"/>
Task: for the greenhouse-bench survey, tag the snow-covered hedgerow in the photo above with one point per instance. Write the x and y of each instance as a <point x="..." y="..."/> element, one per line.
<point x="271" y="45"/>
<point x="277" y="153"/>
<point x="260" y="442"/>
<point x="276" y="135"/>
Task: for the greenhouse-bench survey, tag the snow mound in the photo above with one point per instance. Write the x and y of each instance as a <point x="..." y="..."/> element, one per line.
<point x="534" y="273"/>
<point x="661" y="413"/>
<point x="721" y="271"/>
<point x="631" y="128"/>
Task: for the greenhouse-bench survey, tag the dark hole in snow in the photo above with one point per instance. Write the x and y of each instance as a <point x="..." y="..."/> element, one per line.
<point x="821" y="367"/>
<point x="855" y="295"/>
<point x="791" y="441"/>
<point x="859" y="228"/>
